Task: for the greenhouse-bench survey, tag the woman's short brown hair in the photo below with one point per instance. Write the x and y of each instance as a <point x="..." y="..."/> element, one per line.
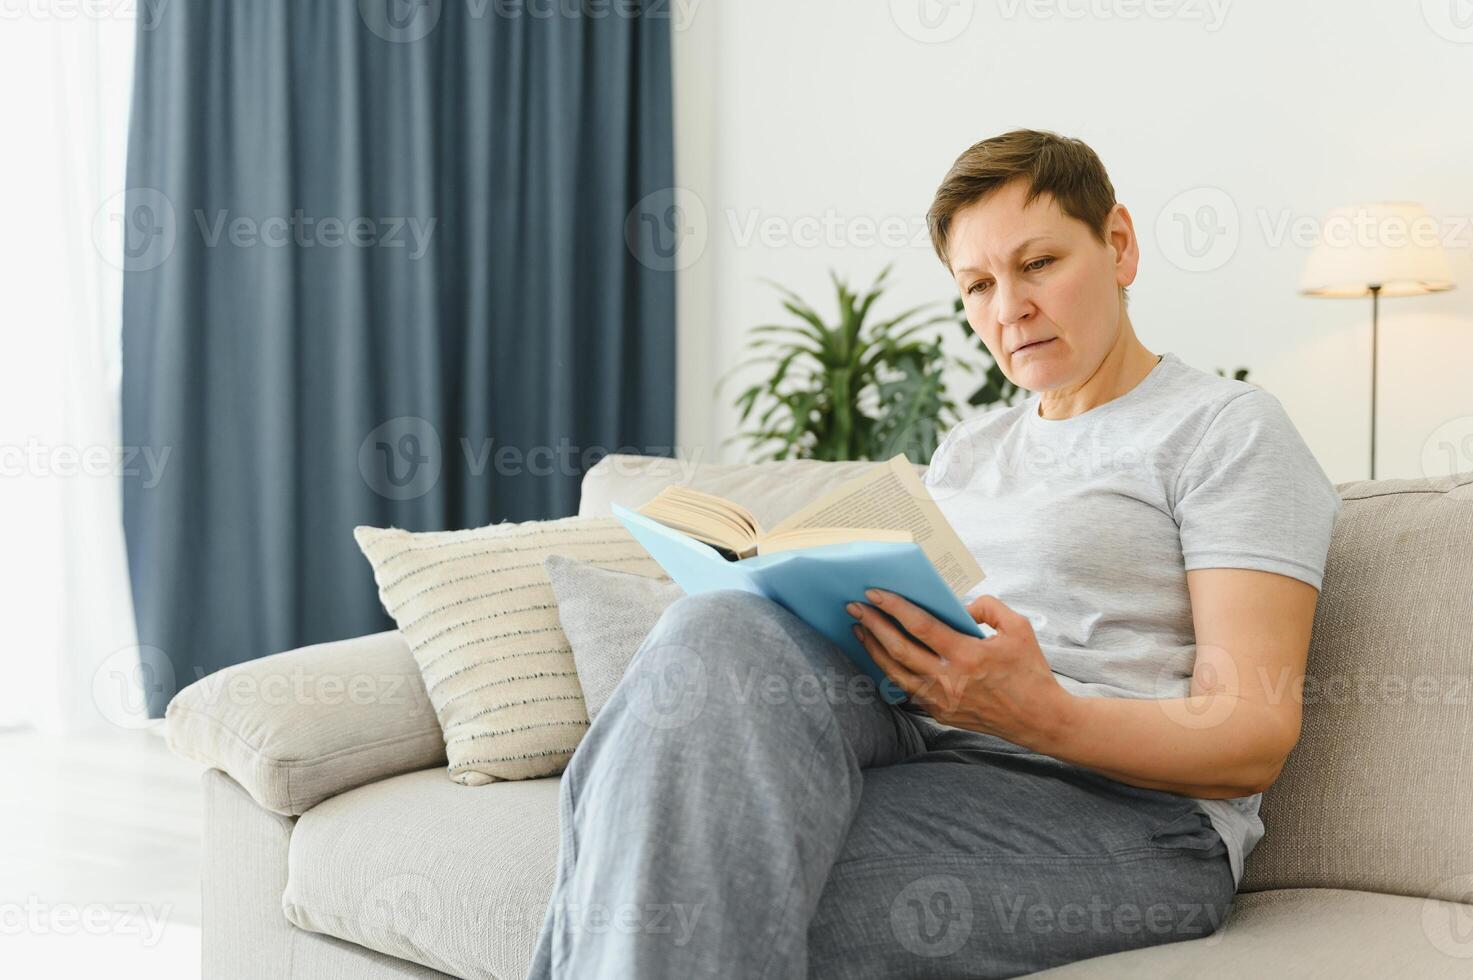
<point x="1066" y="169"/>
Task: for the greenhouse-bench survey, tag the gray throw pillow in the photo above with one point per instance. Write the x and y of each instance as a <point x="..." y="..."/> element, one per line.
<point x="605" y="615"/>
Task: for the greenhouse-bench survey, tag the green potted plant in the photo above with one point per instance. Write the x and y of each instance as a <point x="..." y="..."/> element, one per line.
<point x="856" y="387"/>
<point x="860" y="387"/>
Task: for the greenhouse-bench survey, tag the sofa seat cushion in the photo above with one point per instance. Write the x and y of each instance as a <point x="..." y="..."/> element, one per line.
<point x="1309" y="932"/>
<point x="456" y="878"/>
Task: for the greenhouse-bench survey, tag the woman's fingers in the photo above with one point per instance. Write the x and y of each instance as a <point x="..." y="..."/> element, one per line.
<point x="932" y="632"/>
<point x="908" y="681"/>
<point x="912" y="655"/>
<point x="991" y="610"/>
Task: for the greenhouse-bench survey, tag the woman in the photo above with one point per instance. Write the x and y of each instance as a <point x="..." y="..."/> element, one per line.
<point x="1084" y="781"/>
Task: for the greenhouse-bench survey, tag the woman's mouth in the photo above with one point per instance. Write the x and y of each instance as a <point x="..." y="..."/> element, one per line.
<point x="1036" y="345"/>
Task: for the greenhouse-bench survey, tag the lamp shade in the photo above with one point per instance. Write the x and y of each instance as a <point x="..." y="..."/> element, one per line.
<point x="1393" y="244"/>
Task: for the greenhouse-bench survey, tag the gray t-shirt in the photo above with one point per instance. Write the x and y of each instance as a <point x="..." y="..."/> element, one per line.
<point x="1088" y="525"/>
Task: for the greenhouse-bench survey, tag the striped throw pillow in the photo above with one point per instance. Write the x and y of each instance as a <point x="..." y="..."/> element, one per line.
<point x="481" y="618"/>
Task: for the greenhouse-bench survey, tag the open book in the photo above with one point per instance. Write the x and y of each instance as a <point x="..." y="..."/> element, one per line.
<point x="887" y="504"/>
<point x="880" y="530"/>
<point x="730" y="527"/>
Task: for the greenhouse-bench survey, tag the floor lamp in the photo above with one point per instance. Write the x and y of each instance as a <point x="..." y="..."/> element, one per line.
<point x="1387" y="249"/>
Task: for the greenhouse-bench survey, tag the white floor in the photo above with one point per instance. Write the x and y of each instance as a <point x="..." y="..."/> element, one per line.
<point x="99" y="857"/>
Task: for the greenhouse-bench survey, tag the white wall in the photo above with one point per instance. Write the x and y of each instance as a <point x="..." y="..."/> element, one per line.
<point x="830" y="116"/>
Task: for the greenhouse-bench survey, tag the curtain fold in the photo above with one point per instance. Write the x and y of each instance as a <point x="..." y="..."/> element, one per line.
<point x="74" y="665"/>
<point x="378" y="273"/>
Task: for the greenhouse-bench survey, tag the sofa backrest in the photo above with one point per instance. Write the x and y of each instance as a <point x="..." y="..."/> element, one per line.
<point x="1378" y="794"/>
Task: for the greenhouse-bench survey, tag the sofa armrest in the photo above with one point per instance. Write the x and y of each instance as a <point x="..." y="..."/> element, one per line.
<point x="298" y="727"/>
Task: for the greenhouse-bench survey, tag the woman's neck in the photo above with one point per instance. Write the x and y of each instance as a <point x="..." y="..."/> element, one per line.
<point x="1125" y="365"/>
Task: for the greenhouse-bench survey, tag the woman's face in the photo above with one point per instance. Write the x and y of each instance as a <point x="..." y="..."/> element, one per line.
<point x="1040" y="290"/>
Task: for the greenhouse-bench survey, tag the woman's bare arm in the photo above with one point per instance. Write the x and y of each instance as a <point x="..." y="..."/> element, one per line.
<point x="1228" y="737"/>
<point x="1231" y="735"/>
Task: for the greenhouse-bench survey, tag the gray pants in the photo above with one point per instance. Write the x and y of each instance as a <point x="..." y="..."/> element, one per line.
<point x="747" y="806"/>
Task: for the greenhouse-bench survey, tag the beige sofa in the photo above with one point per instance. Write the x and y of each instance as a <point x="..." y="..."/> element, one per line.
<point x="337" y="847"/>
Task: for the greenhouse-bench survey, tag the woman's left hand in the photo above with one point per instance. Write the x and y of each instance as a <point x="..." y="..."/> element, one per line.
<point x="1001" y="685"/>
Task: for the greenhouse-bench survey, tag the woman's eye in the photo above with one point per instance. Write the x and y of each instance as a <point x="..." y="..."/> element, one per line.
<point x="1037" y="265"/>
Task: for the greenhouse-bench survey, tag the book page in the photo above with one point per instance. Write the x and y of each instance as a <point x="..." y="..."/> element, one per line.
<point x="710" y="501"/>
<point x="891" y="497"/>
<point x="714" y="520"/>
<point x="795" y="538"/>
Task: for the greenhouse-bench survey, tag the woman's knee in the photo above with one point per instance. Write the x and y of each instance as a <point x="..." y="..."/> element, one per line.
<point x="726" y="627"/>
<point x="723" y="652"/>
<point x="723" y="612"/>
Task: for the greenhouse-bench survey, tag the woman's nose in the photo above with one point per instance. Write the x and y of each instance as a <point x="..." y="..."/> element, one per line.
<point x="1013" y="304"/>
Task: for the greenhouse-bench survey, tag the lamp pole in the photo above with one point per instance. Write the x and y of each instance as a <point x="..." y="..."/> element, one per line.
<point x="1375" y="317"/>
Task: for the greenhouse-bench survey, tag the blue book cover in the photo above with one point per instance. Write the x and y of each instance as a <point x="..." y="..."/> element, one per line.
<point x="812" y="583"/>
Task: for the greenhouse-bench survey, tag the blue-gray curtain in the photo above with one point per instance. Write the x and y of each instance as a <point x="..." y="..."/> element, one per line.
<point x="384" y="266"/>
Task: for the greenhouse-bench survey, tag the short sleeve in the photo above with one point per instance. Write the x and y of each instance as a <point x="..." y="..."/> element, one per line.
<point x="945" y="468"/>
<point x="937" y="466"/>
<point x="1252" y="495"/>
